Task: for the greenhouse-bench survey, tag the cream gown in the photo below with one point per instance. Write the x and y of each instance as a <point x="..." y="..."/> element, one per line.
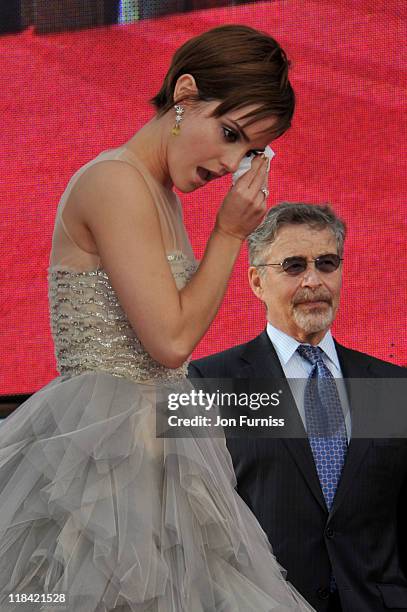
<point x="96" y="507"/>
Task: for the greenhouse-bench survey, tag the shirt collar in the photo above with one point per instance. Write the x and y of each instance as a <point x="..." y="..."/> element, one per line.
<point x="286" y="345"/>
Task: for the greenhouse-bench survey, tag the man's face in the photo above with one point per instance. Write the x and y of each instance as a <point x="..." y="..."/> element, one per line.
<point x="302" y="306"/>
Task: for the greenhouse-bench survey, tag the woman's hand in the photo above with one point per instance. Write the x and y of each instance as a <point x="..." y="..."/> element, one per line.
<point x="245" y="205"/>
<point x="113" y="204"/>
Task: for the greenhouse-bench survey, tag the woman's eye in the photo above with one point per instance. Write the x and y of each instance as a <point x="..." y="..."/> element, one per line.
<point x="229" y="134"/>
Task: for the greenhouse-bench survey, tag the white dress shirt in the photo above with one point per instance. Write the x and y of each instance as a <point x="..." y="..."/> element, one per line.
<point x="297" y="369"/>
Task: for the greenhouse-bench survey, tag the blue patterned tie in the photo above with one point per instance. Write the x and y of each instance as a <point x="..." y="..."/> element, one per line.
<point x="325" y="422"/>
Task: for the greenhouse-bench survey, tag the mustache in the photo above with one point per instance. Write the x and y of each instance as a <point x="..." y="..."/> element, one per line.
<point x="307" y="295"/>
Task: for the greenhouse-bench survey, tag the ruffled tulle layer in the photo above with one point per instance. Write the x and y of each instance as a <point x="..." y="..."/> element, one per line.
<point x="95" y="507"/>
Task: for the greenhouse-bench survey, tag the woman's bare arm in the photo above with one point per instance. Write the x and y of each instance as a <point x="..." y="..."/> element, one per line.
<point x="113" y="202"/>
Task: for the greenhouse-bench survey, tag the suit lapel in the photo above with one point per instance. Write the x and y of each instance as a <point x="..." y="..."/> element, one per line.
<point x="260" y="360"/>
<point x="301" y="452"/>
<point x="353" y="368"/>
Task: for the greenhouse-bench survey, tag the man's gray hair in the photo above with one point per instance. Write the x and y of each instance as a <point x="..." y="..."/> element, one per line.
<point x="293" y="213"/>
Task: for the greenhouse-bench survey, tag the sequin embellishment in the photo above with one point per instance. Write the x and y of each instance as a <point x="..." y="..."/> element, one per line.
<point x="91" y="331"/>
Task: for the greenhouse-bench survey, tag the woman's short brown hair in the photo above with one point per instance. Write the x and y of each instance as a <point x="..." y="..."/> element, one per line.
<point x="239" y="66"/>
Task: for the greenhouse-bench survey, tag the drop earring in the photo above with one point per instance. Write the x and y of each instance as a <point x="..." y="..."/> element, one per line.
<point x="179" y="112"/>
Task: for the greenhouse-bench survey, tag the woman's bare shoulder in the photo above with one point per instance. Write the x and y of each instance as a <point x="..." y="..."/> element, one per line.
<point x="108" y="188"/>
<point x="109" y="194"/>
<point x="111" y="178"/>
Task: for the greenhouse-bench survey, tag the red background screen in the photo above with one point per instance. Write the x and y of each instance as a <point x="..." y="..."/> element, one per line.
<point x="65" y="97"/>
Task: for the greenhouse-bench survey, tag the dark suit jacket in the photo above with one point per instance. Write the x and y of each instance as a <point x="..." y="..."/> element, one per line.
<point x="363" y="539"/>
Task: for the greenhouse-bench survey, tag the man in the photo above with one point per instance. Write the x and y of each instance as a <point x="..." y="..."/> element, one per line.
<point x="333" y="505"/>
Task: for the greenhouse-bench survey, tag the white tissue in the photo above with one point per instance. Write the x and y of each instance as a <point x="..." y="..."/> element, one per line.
<point x="246" y="163"/>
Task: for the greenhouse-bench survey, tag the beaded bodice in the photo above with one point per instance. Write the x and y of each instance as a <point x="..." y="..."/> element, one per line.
<point x="91" y="331"/>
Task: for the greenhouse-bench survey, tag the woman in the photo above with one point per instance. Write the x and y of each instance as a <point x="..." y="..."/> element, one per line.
<point x="99" y="514"/>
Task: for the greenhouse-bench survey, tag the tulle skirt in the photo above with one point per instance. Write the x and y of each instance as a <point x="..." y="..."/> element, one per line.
<point x="98" y="514"/>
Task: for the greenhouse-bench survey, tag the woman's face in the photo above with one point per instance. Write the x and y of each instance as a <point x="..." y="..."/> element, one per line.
<point x="210" y="147"/>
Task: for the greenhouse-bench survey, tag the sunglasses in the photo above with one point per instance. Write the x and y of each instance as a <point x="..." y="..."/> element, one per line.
<point x="294" y="266"/>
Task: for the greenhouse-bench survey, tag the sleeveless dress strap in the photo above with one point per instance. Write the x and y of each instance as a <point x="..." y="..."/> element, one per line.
<point x="164" y="199"/>
<point x="67" y="254"/>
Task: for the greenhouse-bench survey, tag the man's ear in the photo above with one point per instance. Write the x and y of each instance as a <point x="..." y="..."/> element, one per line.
<point x="185" y="87"/>
<point x="255" y="281"/>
